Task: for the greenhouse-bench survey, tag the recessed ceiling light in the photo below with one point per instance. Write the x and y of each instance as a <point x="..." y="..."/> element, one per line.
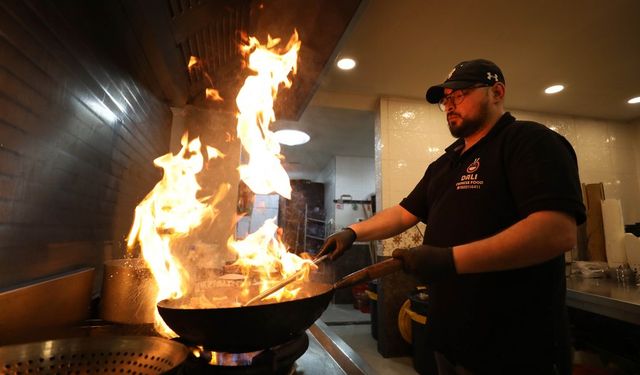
<point x="635" y="100"/>
<point x="291" y="137"/>
<point x="346" y="63"/>
<point x="553" y="89"/>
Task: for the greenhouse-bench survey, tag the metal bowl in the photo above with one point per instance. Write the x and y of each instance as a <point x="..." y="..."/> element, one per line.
<point x="119" y="354"/>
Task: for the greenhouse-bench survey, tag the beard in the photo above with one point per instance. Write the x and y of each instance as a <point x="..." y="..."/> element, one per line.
<point x="469" y="125"/>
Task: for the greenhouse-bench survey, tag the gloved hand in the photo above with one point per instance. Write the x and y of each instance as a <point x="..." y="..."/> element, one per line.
<point x="427" y="263"/>
<point x="338" y="243"/>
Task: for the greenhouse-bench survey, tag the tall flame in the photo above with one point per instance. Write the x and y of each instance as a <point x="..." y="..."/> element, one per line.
<point x="171" y="210"/>
<point x="264" y="173"/>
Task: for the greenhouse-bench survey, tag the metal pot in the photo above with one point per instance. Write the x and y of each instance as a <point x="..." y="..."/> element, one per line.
<point x="128" y="292"/>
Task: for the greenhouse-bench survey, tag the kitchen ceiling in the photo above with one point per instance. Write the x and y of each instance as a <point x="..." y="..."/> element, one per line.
<point x="404" y="46"/>
<point x="401" y="48"/>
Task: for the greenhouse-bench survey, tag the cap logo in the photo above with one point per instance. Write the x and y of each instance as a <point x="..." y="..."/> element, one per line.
<point x="451" y="73"/>
<point x="492" y="76"/>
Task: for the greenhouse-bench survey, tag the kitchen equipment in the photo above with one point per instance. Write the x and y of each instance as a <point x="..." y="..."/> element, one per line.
<point x="632" y="248"/>
<point x="128" y="292"/>
<point x="56" y="301"/>
<point x="122" y="354"/>
<point x="613" y="222"/>
<point x="249" y="328"/>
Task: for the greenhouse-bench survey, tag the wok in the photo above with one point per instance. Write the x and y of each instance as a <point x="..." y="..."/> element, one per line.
<point x="256" y="327"/>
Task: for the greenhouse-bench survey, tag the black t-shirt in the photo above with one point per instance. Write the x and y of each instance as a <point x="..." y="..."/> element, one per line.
<point x="496" y="321"/>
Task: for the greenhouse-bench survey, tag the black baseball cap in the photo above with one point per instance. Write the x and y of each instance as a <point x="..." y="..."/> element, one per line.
<point x="467" y="74"/>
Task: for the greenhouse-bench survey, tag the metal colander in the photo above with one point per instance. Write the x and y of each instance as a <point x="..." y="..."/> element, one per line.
<point x="90" y="355"/>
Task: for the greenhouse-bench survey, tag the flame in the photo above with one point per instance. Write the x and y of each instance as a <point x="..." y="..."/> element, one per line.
<point x="192" y="62"/>
<point x="264" y="172"/>
<point x="263" y="256"/>
<point x="170" y="211"/>
<point x="210" y="92"/>
<point x="214" y="95"/>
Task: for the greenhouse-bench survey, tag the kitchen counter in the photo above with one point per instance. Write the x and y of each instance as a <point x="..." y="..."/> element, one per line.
<point x="605" y="297"/>
<point x="329" y="354"/>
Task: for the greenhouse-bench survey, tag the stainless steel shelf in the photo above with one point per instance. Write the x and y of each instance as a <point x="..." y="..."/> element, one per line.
<point x="605" y="297"/>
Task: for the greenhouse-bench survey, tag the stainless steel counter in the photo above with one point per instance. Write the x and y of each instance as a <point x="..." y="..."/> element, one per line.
<point x="329" y="354"/>
<point x="605" y="297"/>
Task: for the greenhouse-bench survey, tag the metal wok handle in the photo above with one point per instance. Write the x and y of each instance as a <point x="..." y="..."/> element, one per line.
<point x="369" y="273"/>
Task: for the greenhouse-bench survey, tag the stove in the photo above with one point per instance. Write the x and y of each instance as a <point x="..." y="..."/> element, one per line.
<point x="318" y="351"/>
<point x="278" y="360"/>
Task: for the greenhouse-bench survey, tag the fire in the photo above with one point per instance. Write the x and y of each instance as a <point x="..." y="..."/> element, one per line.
<point x="170" y="211"/>
<point x="264" y="172"/>
<point x="193" y="61"/>
<point x="214" y="95"/>
<point x="263" y="256"/>
<point x="210" y="92"/>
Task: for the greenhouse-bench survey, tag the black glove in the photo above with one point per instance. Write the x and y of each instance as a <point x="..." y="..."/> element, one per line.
<point x="427" y="263"/>
<point x="338" y="243"/>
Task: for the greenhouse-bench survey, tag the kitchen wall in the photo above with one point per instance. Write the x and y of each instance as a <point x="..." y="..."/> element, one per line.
<point x="328" y="178"/>
<point x="343" y="176"/>
<point x="77" y="141"/>
<point x="410" y="134"/>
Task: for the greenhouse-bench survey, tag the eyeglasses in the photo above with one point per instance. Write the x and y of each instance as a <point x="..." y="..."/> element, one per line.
<point x="456" y="97"/>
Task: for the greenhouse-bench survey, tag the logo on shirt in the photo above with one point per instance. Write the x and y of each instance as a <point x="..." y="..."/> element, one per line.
<point x="474" y="166"/>
<point x="470" y="179"/>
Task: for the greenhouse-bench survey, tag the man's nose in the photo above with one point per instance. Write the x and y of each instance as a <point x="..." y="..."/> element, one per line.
<point x="449" y="106"/>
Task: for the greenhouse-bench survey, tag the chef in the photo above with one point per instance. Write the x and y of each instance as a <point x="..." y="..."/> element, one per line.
<point x="501" y="207"/>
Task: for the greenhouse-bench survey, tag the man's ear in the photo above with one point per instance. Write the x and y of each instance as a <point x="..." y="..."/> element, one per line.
<point x="498" y="91"/>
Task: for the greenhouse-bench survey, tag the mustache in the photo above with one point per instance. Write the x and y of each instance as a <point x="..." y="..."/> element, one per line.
<point x="449" y="115"/>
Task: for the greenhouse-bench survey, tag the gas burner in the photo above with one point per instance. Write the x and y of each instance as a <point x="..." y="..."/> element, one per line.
<point x="278" y="360"/>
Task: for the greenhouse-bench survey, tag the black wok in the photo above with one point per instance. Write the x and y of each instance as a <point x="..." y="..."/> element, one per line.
<point x="255" y="327"/>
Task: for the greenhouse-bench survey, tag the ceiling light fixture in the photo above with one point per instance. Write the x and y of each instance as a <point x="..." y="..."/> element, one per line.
<point x="635" y="100"/>
<point x="553" y="89"/>
<point x="291" y="137"/>
<point x="346" y="63"/>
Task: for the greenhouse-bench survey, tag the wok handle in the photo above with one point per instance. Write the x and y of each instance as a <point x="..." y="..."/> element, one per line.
<point x="369" y="273"/>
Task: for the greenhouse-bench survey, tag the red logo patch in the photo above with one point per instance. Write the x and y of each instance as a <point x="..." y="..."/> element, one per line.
<point x="474" y="166"/>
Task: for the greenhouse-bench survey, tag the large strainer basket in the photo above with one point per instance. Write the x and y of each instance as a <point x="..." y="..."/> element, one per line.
<point x="90" y="355"/>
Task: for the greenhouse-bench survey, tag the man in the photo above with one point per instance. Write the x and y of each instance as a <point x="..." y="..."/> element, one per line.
<point x="501" y="207"/>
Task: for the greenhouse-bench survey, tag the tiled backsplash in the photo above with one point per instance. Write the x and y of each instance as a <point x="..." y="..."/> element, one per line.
<point x="410" y="134"/>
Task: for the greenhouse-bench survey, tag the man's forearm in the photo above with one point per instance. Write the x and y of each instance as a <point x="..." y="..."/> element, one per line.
<point x="385" y="224"/>
<point x="539" y="237"/>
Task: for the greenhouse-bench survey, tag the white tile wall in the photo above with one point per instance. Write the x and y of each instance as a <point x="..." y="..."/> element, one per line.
<point x="328" y="178"/>
<point x="410" y="134"/>
<point x="607" y="152"/>
<point x="355" y="176"/>
<point x="346" y="175"/>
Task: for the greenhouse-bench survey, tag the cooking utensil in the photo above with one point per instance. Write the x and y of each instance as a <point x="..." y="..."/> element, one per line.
<point x="255" y="327"/>
<point x="128" y="292"/>
<point x="122" y="354"/>
<point x="283" y="283"/>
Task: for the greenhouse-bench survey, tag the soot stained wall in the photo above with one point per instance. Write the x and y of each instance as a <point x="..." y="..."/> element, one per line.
<point x="77" y="140"/>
